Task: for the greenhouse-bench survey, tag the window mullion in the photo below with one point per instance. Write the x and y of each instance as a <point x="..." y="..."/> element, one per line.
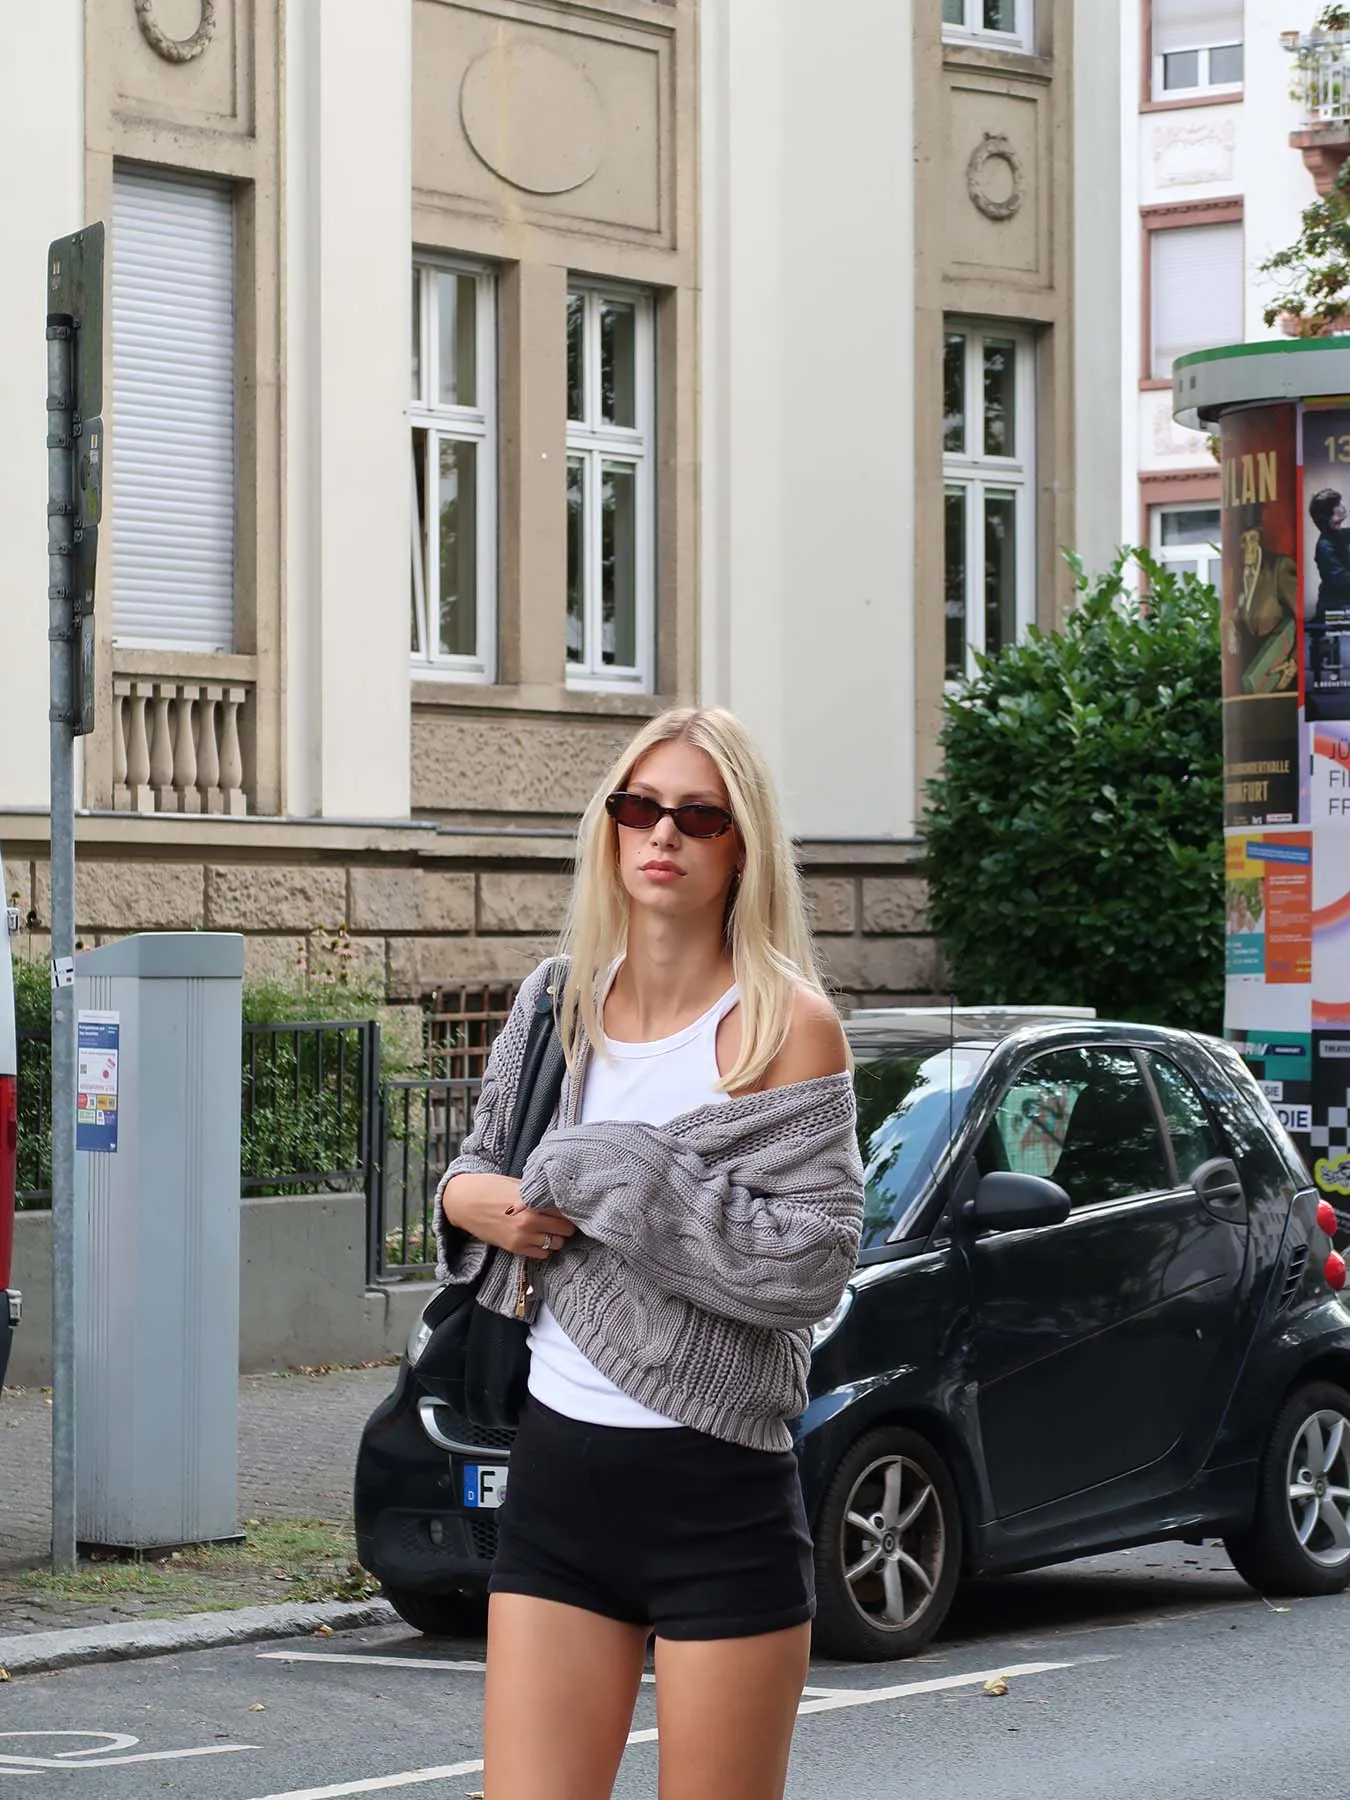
<point x="975" y="574"/>
<point x="595" y="625"/>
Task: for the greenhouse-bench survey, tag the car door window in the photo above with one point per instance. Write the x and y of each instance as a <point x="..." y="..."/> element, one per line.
<point x="1195" y="1137"/>
<point x="1083" y="1118"/>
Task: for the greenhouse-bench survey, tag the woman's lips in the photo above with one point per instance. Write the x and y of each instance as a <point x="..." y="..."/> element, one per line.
<point x="662" y="871"/>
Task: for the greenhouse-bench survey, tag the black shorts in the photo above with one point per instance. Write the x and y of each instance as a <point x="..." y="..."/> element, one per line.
<point x="661" y="1527"/>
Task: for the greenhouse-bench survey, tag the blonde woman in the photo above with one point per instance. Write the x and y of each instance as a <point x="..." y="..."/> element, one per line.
<point x="694" y="1210"/>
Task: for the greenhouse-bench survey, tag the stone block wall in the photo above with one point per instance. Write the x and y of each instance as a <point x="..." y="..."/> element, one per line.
<point x="457" y="911"/>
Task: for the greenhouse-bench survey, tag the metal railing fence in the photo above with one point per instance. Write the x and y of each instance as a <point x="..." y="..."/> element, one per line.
<point x="423" y="1122"/>
<point x="1322" y="81"/>
<point x="310" y="1100"/>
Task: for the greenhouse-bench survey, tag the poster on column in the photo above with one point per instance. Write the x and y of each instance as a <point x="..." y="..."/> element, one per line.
<point x="1282" y="1061"/>
<point x="1326" y="559"/>
<point x="1268" y="907"/>
<point x="1260" y="618"/>
<point x="1329" y="1154"/>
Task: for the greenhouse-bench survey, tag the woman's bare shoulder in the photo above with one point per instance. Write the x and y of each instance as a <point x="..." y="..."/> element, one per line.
<point x="815" y="1043"/>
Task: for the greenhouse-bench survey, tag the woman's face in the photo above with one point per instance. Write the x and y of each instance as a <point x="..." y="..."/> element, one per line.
<point x="673" y="875"/>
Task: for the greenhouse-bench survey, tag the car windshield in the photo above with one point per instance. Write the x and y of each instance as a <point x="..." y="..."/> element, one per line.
<point x="908" y="1109"/>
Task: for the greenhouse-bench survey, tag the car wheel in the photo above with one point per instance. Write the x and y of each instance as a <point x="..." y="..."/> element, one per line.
<point x="1299" y="1539"/>
<point x="888" y="1548"/>
<point x="439" y="1615"/>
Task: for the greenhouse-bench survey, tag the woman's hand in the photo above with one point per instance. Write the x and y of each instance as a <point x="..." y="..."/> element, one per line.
<point x="489" y="1208"/>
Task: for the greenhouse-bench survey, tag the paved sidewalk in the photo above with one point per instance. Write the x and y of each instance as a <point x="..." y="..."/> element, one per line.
<point x="297" y="1448"/>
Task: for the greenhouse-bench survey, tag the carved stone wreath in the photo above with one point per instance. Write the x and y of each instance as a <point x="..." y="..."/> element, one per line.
<point x="176" y="50"/>
<point x="993" y="148"/>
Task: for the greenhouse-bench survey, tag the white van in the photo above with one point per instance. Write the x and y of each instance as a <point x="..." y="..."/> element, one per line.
<point x="9" y="1133"/>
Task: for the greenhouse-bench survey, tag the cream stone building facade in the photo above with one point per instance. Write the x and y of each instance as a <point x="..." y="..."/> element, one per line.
<point x="488" y="374"/>
<point x="1229" y="134"/>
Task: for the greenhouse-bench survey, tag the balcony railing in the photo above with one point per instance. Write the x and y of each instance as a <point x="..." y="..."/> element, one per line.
<point x="177" y="746"/>
<point x="1322" y="77"/>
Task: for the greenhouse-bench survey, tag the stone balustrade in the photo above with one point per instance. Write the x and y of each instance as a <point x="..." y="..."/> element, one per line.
<point x="177" y="746"/>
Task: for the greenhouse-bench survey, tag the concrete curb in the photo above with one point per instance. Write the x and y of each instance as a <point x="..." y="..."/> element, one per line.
<point x="35" y="1651"/>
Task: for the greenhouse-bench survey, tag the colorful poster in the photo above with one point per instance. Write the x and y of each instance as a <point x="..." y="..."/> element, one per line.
<point x="1331" y="930"/>
<point x="1283" y="1063"/>
<point x="1326" y="560"/>
<point x="1268" y="900"/>
<point x="1328" y="1153"/>
<point x="98" y="1049"/>
<point x="1260" y="617"/>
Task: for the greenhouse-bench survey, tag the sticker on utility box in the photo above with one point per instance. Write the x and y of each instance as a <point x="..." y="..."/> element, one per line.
<point x="96" y="1106"/>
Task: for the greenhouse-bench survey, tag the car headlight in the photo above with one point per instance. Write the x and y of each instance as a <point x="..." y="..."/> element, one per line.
<point x="822" y="1333"/>
<point x="418" y="1339"/>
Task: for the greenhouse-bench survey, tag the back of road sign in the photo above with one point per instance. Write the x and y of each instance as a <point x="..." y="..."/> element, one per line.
<point x="157" y="1254"/>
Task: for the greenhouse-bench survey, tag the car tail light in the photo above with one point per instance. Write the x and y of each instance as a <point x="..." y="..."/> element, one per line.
<point x="1326" y="1218"/>
<point x="9" y="1167"/>
<point x="1335" y="1271"/>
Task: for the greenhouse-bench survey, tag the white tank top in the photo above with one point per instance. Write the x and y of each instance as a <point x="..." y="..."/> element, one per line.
<point x="645" y="1084"/>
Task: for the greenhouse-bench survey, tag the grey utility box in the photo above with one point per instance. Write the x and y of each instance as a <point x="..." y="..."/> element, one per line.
<point x="157" y="1253"/>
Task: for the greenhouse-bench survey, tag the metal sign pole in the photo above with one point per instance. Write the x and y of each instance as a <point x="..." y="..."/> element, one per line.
<point x="60" y="577"/>
<point x="75" y="449"/>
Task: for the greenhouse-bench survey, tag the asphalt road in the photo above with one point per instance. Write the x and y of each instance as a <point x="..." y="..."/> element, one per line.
<point x="1150" y="1675"/>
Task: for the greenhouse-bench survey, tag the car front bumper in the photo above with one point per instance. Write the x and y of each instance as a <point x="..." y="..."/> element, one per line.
<point x="412" y="1530"/>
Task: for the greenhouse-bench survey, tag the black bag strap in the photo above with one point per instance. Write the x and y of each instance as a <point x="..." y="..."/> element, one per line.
<point x="539" y="1086"/>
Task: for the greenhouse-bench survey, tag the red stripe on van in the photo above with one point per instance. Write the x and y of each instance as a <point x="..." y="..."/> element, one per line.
<point x="9" y="1168"/>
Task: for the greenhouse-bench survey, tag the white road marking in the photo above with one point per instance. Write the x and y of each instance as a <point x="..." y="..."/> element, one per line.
<point x="375" y="1662"/>
<point x="108" y="1752"/>
<point x="841" y="1697"/>
<point x="826" y="1701"/>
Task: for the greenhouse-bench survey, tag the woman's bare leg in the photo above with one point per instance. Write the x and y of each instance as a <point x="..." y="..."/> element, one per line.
<point x="561" y="1686"/>
<point x="726" y="1710"/>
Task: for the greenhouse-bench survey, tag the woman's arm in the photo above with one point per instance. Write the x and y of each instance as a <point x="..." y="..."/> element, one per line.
<point x="476" y="1205"/>
<point x="775" y="1255"/>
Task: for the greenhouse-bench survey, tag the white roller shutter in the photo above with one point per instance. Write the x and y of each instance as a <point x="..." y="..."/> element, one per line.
<point x="172" y="441"/>
<point x="1195" y="24"/>
<point x="1196" y="291"/>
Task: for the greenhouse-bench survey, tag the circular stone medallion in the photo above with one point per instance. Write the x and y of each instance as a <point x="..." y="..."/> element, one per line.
<point x="534" y="118"/>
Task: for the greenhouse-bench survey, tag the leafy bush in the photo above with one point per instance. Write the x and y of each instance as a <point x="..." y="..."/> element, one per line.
<point x="1075" y="841"/>
<point x="33" y="1016"/>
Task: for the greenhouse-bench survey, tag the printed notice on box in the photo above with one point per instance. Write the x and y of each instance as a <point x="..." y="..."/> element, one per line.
<point x="96" y="1114"/>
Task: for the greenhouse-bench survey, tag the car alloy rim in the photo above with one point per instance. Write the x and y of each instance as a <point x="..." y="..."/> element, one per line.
<point x="893" y="1543"/>
<point x="1319" y="1488"/>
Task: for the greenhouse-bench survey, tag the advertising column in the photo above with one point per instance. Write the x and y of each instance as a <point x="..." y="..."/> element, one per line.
<point x="1326" y="683"/>
<point x="1285" y="631"/>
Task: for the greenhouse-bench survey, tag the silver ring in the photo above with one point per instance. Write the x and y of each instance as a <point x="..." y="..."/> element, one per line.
<point x="547" y="1244"/>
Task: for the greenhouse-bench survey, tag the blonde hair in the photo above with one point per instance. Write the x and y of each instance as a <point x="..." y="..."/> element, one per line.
<point x="766" y="926"/>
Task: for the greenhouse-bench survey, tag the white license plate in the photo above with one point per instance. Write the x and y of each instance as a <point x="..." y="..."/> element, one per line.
<point x="484" y="1484"/>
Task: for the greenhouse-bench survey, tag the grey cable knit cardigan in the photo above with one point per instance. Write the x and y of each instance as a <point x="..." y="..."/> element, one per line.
<point x="705" y="1249"/>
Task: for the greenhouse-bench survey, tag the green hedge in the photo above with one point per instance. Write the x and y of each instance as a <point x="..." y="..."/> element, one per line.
<point x="1074" y="834"/>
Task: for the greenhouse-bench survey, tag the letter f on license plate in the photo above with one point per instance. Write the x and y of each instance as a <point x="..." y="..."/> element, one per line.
<point x="484" y="1484"/>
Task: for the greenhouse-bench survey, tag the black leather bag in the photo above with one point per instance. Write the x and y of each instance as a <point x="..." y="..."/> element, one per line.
<point x="476" y="1360"/>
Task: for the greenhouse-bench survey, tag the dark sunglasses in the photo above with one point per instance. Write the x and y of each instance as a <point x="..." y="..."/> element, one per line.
<point x="639" y="812"/>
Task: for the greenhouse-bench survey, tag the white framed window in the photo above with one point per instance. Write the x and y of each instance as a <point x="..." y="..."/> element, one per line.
<point x="1197" y="48"/>
<point x="453" y="466"/>
<point x="1186" y="539"/>
<point x="1005" y="22"/>
<point x="1196" y="297"/>
<point x="173" y="383"/>
<point x="989" y="506"/>
<point x="611" y="488"/>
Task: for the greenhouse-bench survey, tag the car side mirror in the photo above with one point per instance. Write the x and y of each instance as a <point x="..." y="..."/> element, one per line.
<point x="1006" y="1201"/>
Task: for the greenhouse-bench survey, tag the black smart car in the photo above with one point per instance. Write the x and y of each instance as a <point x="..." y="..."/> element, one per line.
<point x="1096" y="1305"/>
